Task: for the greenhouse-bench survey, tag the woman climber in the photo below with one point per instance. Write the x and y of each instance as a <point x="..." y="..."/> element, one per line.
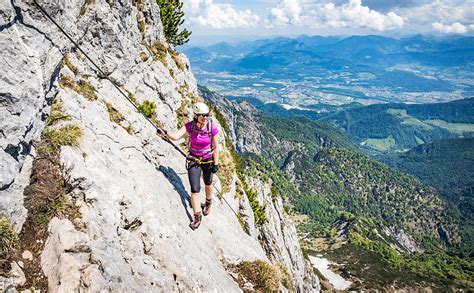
<point x="203" y="157"/>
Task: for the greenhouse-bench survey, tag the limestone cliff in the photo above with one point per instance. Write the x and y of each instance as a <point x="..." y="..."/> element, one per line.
<point x="125" y="227"/>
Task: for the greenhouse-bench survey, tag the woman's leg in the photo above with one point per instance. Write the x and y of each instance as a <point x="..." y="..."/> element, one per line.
<point x="207" y="174"/>
<point x="195" y="202"/>
<point x="206" y="170"/>
<point x="209" y="192"/>
<point x="194" y="175"/>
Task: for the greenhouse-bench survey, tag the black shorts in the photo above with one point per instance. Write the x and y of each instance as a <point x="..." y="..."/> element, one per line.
<point x="194" y="175"/>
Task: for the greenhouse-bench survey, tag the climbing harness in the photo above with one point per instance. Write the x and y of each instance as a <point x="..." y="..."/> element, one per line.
<point x="104" y="75"/>
<point x="191" y="161"/>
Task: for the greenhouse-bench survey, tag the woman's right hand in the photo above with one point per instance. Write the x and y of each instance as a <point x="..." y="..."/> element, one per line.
<point x="162" y="133"/>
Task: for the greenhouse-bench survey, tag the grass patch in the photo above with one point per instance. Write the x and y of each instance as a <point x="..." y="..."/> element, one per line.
<point x="70" y="65"/>
<point x="57" y="113"/>
<point x="383" y="144"/>
<point x="8" y="239"/>
<point x="458" y="128"/>
<point x="86" y="89"/>
<point x="416" y="122"/>
<point x="397" y="112"/>
<point x="242" y="223"/>
<point x="226" y="171"/>
<point x="114" y="114"/>
<point x="118" y="118"/>
<point x="141" y="24"/>
<point x="67" y="82"/>
<point x="158" y="51"/>
<point x="55" y="138"/>
<point x="130" y="130"/>
<point x="50" y="208"/>
<point x="177" y="60"/>
<point x="264" y="276"/>
<point x="183" y="112"/>
<point x="286" y="278"/>
<point x="83" y="87"/>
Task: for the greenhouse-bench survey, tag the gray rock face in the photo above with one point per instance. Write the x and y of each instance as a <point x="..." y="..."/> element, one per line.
<point x="405" y="240"/>
<point x="281" y="242"/>
<point x="244" y="129"/>
<point x="131" y="189"/>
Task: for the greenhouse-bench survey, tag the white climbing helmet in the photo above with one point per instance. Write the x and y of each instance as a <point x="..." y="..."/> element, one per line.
<point x="200" y="108"/>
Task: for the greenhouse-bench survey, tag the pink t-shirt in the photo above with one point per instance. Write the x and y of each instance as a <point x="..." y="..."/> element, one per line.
<point x="200" y="139"/>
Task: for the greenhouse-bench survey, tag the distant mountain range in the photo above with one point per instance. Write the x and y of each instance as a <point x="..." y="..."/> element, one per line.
<point x="334" y="52"/>
<point x="316" y="71"/>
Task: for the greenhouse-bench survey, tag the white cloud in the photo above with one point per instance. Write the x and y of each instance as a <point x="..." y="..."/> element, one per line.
<point x="456" y="28"/>
<point x="440" y="12"/>
<point x="218" y="16"/>
<point x="353" y="15"/>
<point x="286" y="12"/>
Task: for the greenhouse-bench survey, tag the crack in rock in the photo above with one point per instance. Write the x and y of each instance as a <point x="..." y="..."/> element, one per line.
<point x="6" y="186"/>
<point x="106" y="135"/>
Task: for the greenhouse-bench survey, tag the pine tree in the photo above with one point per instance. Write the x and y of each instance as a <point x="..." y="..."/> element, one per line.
<point x="172" y="18"/>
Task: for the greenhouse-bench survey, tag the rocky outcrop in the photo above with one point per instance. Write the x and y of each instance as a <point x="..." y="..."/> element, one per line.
<point x="130" y="187"/>
<point x="280" y="240"/>
<point x="244" y="129"/>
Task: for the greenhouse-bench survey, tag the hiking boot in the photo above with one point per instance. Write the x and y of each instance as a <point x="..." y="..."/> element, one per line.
<point x="196" y="222"/>
<point x="206" y="208"/>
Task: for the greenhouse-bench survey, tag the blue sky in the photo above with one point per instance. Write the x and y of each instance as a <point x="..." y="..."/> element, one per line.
<point x="251" y="19"/>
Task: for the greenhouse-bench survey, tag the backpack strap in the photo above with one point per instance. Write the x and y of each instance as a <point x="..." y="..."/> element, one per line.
<point x="209" y="132"/>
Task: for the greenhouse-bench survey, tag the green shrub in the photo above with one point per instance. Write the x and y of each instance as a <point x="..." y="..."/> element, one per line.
<point x="147" y="108"/>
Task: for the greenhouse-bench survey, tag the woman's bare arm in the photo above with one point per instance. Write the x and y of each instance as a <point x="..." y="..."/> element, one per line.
<point x="178" y="134"/>
<point x="215" y="147"/>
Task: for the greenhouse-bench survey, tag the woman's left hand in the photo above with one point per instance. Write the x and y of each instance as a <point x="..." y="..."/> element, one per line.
<point x="214" y="168"/>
